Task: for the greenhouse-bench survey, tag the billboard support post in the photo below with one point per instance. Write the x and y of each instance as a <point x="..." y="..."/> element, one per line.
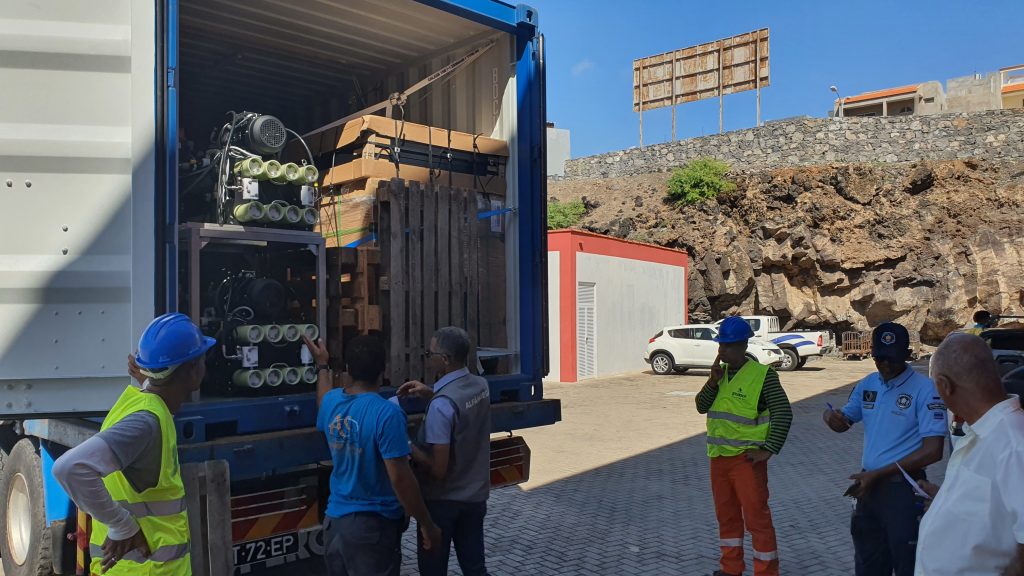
<point x="757" y="76"/>
<point x="640" y="98"/>
<point x="721" y="84"/>
<point x="673" y="77"/>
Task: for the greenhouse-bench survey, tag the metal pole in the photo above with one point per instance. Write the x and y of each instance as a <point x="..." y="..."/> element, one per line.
<point x="757" y="75"/>
<point x="720" y="82"/>
<point x="640" y="100"/>
<point x="672" y="78"/>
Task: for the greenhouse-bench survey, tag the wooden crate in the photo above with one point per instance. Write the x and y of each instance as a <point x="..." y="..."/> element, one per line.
<point x="444" y="267"/>
<point x="438" y="260"/>
<point x="856" y="344"/>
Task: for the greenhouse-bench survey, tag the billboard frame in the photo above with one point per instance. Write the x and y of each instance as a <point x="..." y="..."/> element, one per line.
<point x="703" y="71"/>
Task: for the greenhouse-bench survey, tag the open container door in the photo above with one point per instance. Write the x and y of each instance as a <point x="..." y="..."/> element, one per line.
<point x="77" y="168"/>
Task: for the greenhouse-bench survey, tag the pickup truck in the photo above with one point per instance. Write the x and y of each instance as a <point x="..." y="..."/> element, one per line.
<point x="796" y="345"/>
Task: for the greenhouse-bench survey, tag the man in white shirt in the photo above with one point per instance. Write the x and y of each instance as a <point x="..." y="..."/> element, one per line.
<point x="975" y="525"/>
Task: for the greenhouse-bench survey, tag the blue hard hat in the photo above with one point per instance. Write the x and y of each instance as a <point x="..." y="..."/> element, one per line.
<point x="170" y="340"/>
<point x="733" y="329"/>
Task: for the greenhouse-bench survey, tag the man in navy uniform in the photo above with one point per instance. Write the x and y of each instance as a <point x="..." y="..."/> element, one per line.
<point x="904" y="427"/>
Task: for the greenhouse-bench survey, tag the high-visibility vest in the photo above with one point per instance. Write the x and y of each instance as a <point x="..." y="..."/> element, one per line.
<point x="160" y="510"/>
<point x="734" y="423"/>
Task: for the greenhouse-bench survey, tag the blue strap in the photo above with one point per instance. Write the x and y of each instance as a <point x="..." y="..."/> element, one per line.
<point x="494" y="213"/>
<point x="361" y="241"/>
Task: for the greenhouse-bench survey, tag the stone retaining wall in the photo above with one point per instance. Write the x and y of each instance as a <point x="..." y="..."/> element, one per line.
<point x="996" y="134"/>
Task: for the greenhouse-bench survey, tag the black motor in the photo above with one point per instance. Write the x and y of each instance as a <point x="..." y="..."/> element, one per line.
<point x="261" y="134"/>
<point x="267" y="298"/>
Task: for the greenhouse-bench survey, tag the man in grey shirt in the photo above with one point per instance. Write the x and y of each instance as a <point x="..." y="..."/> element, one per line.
<point x="452" y="454"/>
<point x="132" y="446"/>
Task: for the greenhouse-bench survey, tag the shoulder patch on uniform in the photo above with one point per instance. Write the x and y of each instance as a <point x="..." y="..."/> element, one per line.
<point x="870" y="395"/>
<point x="939" y="416"/>
<point x="903" y="401"/>
<point x="936" y="406"/>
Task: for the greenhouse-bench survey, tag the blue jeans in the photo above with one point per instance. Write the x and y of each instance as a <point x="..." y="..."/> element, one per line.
<point x="463" y="524"/>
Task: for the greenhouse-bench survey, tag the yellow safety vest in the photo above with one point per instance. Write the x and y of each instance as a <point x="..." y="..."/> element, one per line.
<point x="734" y="423"/>
<point x="160" y="510"/>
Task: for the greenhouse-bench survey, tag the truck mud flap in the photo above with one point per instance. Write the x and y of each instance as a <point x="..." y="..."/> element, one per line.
<point x="510" y="461"/>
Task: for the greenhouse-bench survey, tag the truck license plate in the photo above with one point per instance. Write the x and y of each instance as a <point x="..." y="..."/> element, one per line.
<point x="266" y="549"/>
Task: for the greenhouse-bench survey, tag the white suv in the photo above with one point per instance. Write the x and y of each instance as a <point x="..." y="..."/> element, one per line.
<point x="679" y="348"/>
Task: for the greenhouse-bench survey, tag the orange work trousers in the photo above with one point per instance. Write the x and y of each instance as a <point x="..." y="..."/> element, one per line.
<point x="740" y="490"/>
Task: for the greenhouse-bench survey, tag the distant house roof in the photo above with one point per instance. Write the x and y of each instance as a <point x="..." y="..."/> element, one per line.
<point x="1017" y="87"/>
<point x="1012" y="68"/>
<point x="879" y="94"/>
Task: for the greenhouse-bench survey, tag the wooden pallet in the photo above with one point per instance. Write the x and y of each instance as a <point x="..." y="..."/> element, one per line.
<point x="208" y="500"/>
<point x="434" y="263"/>
<point x="443" y="269"/>
<point x="353" y="295"/>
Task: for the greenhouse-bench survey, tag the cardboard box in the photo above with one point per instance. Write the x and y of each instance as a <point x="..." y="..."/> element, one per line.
<point x="362" y="169"/>
<point x="379" y="129"/>
<point x="347" y="220"/>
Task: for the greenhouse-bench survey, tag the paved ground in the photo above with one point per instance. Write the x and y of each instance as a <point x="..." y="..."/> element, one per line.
<point x="620" y="487"/>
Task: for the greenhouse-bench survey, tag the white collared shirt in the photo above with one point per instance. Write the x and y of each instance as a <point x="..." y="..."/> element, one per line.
<point x="977" y="519"/>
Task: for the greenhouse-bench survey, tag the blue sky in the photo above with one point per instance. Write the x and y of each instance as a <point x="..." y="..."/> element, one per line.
<point x="857" y="45"/>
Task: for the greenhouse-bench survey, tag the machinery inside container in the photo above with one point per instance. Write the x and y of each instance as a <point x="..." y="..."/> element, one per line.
<point x="253" y="77"/>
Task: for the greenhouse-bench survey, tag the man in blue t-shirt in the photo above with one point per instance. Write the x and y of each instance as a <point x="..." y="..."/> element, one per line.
<point x="904" y="428"/>
<point x="371" y="481"/>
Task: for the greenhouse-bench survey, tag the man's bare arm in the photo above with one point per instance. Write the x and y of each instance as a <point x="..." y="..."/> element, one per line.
<point x="434" y="461"/>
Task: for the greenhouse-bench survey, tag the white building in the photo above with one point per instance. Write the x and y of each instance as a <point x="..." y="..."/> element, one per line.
<point x="606" y="298"/>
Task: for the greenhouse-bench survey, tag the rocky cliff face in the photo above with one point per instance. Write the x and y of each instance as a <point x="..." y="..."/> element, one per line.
<point x="842" y="246"/>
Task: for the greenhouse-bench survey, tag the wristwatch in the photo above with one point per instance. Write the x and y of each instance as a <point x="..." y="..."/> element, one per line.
<point x="320" y="367"/>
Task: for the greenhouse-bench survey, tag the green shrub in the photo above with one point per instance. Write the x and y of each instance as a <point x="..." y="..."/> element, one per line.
<point x="699" y="180"/>
<point x="565" y="214"/>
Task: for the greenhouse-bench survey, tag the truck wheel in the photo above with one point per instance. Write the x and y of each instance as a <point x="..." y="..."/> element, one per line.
<point x="24" y="537"/>
<point x="790" y="360"/>
<point x="662" y="364"/>
<point x="801" y="363"/>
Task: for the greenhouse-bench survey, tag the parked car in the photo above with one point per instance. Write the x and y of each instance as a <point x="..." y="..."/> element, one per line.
<point x="796" y="345"/>
<point x="1007" y="346"/>
<point x="679" y="348"/>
